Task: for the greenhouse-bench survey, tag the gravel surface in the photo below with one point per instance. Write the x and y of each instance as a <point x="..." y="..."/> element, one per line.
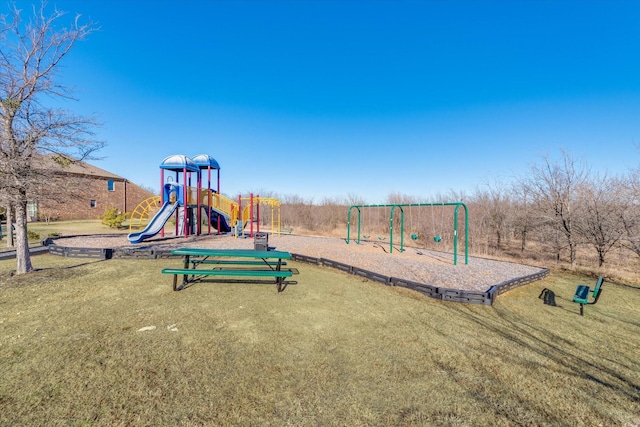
<point x="429" y="267"/>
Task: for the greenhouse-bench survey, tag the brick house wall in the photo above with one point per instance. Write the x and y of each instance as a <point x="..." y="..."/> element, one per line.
<point x="93" y="197"/>
<point x="85" y="192"/>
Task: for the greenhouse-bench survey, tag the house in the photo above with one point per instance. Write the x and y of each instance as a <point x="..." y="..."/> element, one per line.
<point x="78" y="190"/>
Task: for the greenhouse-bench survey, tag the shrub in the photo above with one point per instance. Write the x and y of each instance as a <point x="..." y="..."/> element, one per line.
<point x="54" y="234"/>
<point x="32" y="235"/>
<point x="113" y="217"/>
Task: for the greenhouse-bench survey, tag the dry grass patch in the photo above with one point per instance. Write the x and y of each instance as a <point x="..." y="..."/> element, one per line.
<point x="331" y="350"/>
<point x="62" y="228"/>
<point x="71" y="228"/>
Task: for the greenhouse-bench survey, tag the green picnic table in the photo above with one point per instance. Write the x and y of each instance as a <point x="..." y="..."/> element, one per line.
<point x="202" y="262"/>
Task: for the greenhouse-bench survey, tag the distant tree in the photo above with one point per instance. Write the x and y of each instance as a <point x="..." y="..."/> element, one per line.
<point x="554" y="188"/>
<point x="631" y="215"/>
<point x="297" y="210"/>
<point x="600" y="223"/>
<point x="354" y="199"/>
<point x="524" y="218"/>
<point x="399" y="198"/>
<point x="329" y="214"/>
<point x="31" y="51"/>
<point x="495" y="207"/>
<point x="148" y="189"/>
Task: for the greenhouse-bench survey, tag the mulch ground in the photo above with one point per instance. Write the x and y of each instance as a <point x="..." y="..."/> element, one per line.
<point x="420" y="265"/>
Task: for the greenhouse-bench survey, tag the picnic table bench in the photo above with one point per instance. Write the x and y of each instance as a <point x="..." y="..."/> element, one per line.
<point x="582" y="294"/>
<point x="202" y="262"/>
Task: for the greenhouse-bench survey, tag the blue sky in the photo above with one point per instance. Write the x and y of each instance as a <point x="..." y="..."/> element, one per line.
<point x="322" y="99"/>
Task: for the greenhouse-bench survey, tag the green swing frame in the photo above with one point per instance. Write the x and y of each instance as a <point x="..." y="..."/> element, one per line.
<point x="400" y="206"/>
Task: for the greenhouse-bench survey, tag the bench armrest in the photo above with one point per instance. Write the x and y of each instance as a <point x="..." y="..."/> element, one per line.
<point x="597" y="291"/>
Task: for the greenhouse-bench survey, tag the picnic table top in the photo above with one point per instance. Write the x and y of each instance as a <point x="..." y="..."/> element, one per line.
<point x="240" y="253"/>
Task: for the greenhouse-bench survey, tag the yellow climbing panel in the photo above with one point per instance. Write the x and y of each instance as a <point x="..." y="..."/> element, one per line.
<point x="143" y="212"/>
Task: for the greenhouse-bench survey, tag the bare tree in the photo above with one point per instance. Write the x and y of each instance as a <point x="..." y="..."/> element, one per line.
<point x="31" y="51"/>
<point x="631" y="214"/>
<point x="524" y="218"/>
<point x="9" y="213"/>
<point x="553" y="187"/>
<point x="600" y="222"/>
<point x="494" y="203"/>
<point x="399" y="198"/>
<point x="354" y="199"/>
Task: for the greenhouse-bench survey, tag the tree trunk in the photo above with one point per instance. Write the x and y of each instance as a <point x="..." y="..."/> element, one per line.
<point x="10" y="242"/>
<point x="572" y="254"/>
<point x="23" y="258"/>
<point x="601" y="256"/>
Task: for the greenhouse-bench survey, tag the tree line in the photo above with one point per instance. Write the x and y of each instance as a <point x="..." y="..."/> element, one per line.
<point x="567" y="210"/>
<point x="558" y="211"/>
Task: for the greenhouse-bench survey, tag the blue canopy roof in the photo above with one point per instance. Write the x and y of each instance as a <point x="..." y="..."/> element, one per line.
<point x="179" y="162"/>
<point x="204" y="161"/>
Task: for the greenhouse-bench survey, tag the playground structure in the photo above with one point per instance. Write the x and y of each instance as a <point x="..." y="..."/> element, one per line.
<point x="401" y="208"/>
<point x="192" y="205"/>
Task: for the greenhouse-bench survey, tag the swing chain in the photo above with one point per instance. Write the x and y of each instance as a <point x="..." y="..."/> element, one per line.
<point x="414" y="235"/>
<point x="436" y="237"/>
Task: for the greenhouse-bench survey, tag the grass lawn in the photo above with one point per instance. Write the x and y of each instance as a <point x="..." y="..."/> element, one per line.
<point x="68" y="228"/>
<point x="62" y="228"/>
<point x="330" y="350"/>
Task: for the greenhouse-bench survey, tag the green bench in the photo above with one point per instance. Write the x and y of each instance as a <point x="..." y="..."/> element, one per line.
<point x="200" y="262"/>
<point x="582" y="294"/>
<point x="279" y="275"/>
<point x="235" y="262"/>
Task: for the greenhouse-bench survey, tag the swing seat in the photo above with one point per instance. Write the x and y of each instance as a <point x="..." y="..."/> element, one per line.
<point x="414" y="236"/>
<point x="437" y="239"/>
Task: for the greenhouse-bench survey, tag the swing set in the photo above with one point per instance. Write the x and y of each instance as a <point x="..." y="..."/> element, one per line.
<point x="415" y="235"/>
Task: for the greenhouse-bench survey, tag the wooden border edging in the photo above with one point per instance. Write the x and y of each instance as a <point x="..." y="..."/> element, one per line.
<point x="71" y="252"/>
<point x="32" y="251"/>
<point x="135" y="253"/>
<point x="445" y="294"/>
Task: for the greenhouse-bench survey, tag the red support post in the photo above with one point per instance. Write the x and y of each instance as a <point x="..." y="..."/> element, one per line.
<point x="240" y="216"/>
<point x="162" y="195"/>
<point x="209" y="199"/>
<point x="258" y="214"/>
<point x="198" y="194"/>
<point x="178" y="207"/>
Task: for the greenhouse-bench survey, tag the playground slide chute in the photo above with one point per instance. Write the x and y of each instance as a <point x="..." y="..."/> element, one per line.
<point x="155" y="225"/>
<point x="213" y="219"/>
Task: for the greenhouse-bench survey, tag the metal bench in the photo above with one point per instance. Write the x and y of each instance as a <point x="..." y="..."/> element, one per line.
<point x="582" y="294"/>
